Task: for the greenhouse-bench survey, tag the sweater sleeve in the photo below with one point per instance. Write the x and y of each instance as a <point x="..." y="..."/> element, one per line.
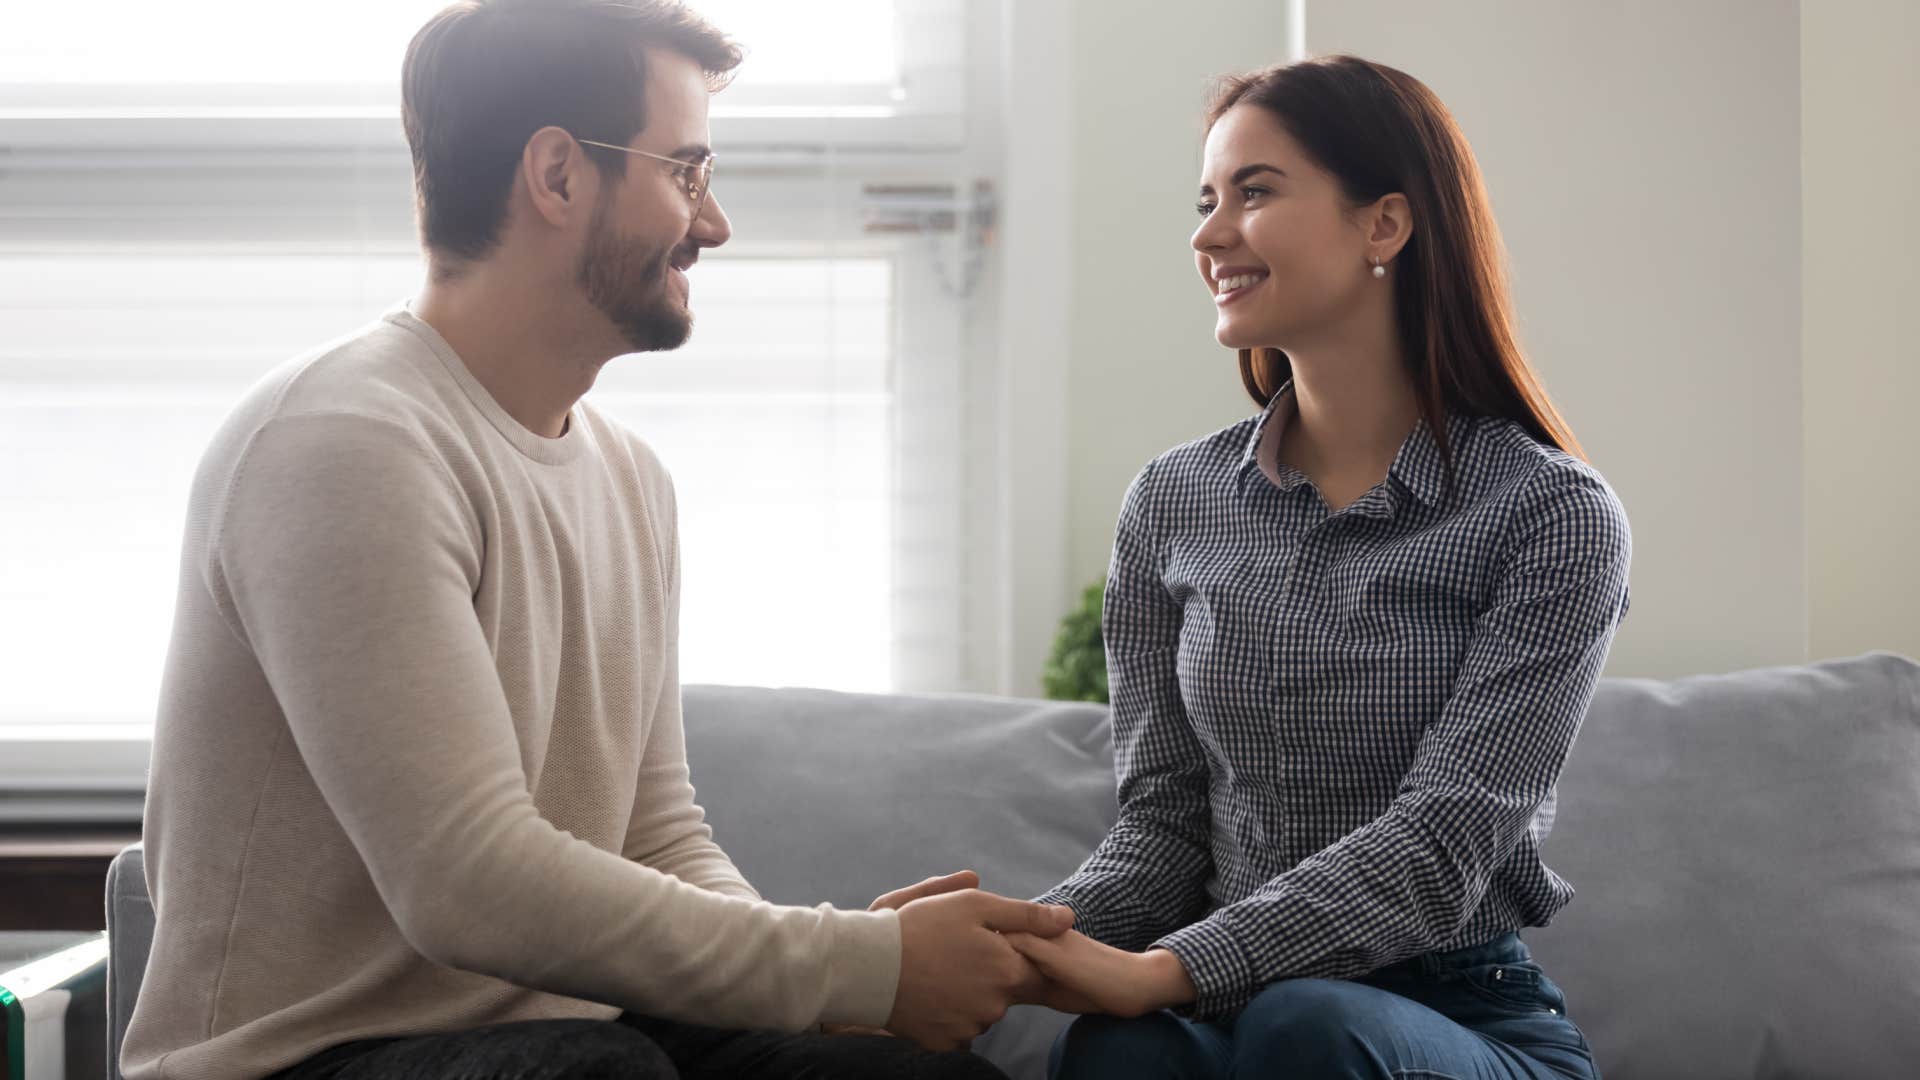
<point x="669" y="830"/>
<point x="346" y="557"/>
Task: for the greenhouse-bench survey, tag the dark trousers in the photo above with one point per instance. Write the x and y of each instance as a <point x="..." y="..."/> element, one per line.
<point x="634" y="1048"/>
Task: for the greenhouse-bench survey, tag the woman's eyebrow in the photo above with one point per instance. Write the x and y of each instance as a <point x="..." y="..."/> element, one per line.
<point x="1241" y="174"/>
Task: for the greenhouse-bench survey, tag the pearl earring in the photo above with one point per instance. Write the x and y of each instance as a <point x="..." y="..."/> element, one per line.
<point x="1378" y="270"/>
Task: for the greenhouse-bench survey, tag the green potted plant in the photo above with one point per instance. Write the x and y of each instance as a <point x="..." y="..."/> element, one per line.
<point x="1077" y="670"/>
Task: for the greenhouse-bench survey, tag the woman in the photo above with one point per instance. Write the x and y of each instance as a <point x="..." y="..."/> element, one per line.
<point x="1349" y="640"/>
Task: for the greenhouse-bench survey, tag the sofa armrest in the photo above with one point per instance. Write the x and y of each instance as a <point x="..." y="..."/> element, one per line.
<point x="129" y="938"/>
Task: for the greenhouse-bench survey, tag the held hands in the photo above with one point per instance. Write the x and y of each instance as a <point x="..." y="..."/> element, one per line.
<point x="1077" y="973"/>
<point x="958" y="972"/>
<point x="894" y="901"/>
<point x="967" y="955"/>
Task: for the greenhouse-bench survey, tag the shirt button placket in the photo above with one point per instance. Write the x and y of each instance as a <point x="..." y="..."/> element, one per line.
<point x="1308" y="557"/>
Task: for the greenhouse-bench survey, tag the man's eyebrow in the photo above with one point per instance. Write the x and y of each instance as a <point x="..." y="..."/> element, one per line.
<point x="1244" y="172"/>
<point x="694" y="152"/>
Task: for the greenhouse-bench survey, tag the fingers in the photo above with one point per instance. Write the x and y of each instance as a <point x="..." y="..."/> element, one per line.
<point x="933" y="886"/>
<point x="1047" y="955"/>
<point x="1031" y="946"/>
<point x="1024" y="916"/>
<point x="1029" y="984"/>
<point x="1026" y="944"/>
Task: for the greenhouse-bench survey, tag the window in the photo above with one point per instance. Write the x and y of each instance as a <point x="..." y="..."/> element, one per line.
<point x="886" y="71"/>
<point x="165" y="242"/>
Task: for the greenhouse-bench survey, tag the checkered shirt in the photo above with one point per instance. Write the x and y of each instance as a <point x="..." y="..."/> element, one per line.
<point x="1337" y="734"/>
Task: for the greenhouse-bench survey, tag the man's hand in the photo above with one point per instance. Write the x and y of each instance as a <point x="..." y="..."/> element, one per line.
<point x="958" y="973"/>
<point x="893" y="901"/>
<point x="1085" y="976"/>
<point x="933" y="886"/>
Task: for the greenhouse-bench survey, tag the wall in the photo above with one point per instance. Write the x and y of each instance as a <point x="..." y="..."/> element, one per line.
<point x="1107" y="350"/>
<point x="1644" y="164"/>
<point x="1727" y="323"/>
<point x="1645" y="168"/>
<point x="1145" y="372"/>
<point x="1860" y="96"/>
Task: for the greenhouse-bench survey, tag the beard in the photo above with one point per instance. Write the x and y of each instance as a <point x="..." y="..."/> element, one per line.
<point x="628" y="284"/>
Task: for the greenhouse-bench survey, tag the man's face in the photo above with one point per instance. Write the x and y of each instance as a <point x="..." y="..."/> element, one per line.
<point x="643" y="235"/>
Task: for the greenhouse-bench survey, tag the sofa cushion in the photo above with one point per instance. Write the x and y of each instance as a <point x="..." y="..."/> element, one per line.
<point x="1747" y="853"/>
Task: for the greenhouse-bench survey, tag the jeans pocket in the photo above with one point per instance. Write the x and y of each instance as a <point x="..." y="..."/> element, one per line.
<point x="1520" y="987"/>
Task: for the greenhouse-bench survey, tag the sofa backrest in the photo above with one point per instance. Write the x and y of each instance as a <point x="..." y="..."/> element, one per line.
<point x="1747" y="853"/>
<point x="1746" y="847"/>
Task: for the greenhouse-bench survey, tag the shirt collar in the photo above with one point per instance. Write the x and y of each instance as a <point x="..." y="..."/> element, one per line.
<point x="1279" y="402"/>
<point x="1417" y="467"/>
<point x="1278" y="411"/>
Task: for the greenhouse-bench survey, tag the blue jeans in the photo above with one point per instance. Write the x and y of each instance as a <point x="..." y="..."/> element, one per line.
<point x="1483" y="1012"/>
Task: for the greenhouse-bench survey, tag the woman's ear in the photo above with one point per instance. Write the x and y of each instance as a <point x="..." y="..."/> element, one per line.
<point x="1389" y="226"/>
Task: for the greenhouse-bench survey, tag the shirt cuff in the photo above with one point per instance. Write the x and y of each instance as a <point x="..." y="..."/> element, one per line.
<point x="1061" y="899"/>
<point x="1218" y="965"/>
<point x="1085" y="920"/>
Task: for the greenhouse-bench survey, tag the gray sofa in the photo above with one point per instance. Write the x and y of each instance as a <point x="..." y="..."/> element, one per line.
<point x="1747" y="850"/>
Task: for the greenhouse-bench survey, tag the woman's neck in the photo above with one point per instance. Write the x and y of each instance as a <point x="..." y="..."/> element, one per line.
<point x="1352" y="411"/>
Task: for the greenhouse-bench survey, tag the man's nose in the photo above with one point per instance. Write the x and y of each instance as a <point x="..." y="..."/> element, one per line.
<point x="712" y="228"/>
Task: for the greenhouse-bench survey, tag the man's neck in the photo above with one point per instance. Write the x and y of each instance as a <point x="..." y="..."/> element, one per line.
<point x="529" y="353"/>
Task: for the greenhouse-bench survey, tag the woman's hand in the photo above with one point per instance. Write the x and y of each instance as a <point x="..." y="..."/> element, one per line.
<point x="1086" y="976"/>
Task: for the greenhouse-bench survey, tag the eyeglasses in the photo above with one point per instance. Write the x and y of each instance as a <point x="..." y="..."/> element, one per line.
<point x="695" y="176"/>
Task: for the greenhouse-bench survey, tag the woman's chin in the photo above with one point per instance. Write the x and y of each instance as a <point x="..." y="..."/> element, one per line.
<point x="1240" y="333"/>
<point x="1235" y="338"/>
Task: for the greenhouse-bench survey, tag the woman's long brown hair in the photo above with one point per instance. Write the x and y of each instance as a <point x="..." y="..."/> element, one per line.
<point x="1380" y="131"/>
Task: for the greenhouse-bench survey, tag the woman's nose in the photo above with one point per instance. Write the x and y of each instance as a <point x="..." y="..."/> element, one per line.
<point x="1213" y="234"/>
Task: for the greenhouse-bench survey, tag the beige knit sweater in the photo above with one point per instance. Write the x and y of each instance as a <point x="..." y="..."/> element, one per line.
<point x="419" y="763"/>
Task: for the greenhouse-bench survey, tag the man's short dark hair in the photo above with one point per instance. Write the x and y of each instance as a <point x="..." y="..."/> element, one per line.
<point x="483" y="75"/>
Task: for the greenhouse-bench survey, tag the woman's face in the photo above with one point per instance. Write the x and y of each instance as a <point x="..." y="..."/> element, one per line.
<point x="1278" y="246"/>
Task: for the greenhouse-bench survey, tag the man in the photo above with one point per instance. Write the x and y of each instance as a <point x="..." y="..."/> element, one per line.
<point x="419" y="802"/>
